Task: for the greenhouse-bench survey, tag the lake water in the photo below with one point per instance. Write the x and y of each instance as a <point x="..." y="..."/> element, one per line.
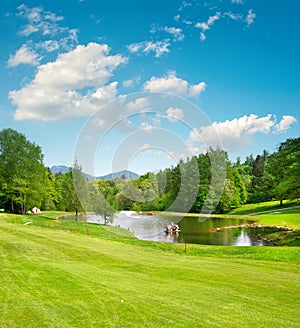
<point x="193" y="230"/>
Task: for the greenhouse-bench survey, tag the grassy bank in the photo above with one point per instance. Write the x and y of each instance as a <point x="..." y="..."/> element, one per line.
<point x="64" y="278"/>
<point x="289" y="217"/>
<point x="272" y="214"/>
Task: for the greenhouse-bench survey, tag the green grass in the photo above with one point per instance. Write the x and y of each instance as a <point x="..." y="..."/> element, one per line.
<point x="287" y="217"/>
<point x="56" y="276"/>
<point x="262" y="207"/>
<point x="270" y="213"/>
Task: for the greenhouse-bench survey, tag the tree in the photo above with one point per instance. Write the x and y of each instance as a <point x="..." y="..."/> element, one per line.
<point x="23" y="173"/>
<point x="104" y="195"/>
<point x="284" y="166"/>
<point x="80" y="198"/>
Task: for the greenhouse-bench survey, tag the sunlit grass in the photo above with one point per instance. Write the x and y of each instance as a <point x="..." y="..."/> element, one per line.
<point x="64" y="278"/>
<point x="262" y="207"/>
<point x="270" y="213"/>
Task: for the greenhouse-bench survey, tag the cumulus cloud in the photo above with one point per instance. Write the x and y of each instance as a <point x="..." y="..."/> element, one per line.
<point x="175" y="85"/>
<point x="284" y="124"/>
<point x="128" y="83"/>
<point x="174" y="114"/>
<point x="238" y="1"/>
<point x="24" y="55"/>
<point x="138" y="105"/>
<point x="76" y="84"/>
<point x="238" y="132"/>
<point x="158" y="48"/>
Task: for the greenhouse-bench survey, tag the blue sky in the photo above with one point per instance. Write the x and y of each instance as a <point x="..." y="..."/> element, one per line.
<point x="139" y="85"/>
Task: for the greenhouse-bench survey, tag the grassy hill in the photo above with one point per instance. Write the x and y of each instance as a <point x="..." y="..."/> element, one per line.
<point x="54" y="275"/>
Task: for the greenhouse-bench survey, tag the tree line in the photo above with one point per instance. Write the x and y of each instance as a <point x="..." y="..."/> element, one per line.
<point x="208" y="182"/>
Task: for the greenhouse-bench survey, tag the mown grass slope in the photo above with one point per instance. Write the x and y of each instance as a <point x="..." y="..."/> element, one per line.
<point x="56" y="278"/>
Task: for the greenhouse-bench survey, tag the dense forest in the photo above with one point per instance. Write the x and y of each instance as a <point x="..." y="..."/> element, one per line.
<point x="207" y="183"/>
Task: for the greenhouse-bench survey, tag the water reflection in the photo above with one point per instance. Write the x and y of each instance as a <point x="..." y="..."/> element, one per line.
<point x="208" y="231"/>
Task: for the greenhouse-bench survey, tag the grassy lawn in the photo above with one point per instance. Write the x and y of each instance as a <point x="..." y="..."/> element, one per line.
<point x="287" y="217"/>
<point x="270" y="213"/>
<point x="54" y="275"/>
<point x="263" y="207"/>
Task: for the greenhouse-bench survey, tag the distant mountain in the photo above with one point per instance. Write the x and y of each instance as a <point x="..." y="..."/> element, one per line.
<point x="121" y="174"/>
<point x="59" y="169"/>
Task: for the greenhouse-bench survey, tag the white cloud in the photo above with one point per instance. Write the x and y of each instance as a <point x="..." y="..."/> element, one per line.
<point x="211" y="20"/>
<point x="23" y="56"/>
<point x="138" y="105"/>
<point x="146" y="127"/>
<point x="96" y="20"/>
<point x="250" y="17"/>
<point x="176" y="32"/>
<point x="159" y="47"/>
<point x="48" y="45"/>
<point x="174" y="114"/>
<point x="284" y="124"/>
<point x="238" y="132"/>
<point x="59" y="89"/>
<point x="196" y="89"/>
<point x="143" y="147"/>
<point x="202" y="36"/>
<point x="45" y="25"/>
<point x="204" y="26"/>
<point x="128" y="83"/>
<point x="233" y="16"/>
<point x="39" y="20"/>
<point x="184" y="4"/>
<point x="238" y="1"/>
<point x="175" y="85"/>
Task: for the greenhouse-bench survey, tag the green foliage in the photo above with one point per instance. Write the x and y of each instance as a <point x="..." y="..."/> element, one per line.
<point x="272" y="176"/>
<point x="103" y="199"/>
<point x="284" y="165"/>
<point x="23" y="174"/>
<point x="207" y="183"/>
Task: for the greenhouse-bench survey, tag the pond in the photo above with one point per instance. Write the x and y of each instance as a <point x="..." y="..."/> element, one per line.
<point x="208" y="231"/>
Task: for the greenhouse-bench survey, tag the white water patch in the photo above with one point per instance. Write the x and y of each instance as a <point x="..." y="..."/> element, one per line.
<point x="245" y="240"/>
<point x="126" y="214"/>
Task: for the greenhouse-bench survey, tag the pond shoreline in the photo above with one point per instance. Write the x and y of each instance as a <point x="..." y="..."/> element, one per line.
<point x="283" y="236"/>
<point x="276" y="235"/>
<point x="261" y="235"/>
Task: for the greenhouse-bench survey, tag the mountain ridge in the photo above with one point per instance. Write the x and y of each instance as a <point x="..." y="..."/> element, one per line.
<point x="60" y="169"/>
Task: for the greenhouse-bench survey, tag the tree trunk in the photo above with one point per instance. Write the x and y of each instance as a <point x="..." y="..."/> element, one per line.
<point x="86" y="224"/>
<point x="22" y="204"/>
